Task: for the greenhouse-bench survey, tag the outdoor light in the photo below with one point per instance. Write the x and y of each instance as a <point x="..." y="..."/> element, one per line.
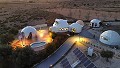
<point x="51" y="65"/>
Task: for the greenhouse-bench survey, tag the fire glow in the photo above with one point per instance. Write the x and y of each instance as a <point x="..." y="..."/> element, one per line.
<point x="43" y="35"/>
<point x="21" y="43"/>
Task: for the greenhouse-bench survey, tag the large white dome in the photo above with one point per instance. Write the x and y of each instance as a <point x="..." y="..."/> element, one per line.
<point x="27" y="31"/>
<point x="60" y="23"/>
<point x="110" y="37"/>
<point x="76" y="26"/>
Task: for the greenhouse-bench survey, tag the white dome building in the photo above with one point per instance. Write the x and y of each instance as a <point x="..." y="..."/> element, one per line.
<point x="110" y="37"/>
<point x="60" y="25"/>
<point x="36" y="43"/>
<point x="80" y="22"/>
<point x="27" y="30"/>
<point x="95" y="23"/>
<point x="75" y="27"/>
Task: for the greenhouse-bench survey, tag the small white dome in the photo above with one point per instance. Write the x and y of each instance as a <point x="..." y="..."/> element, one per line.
<point x="29" y="29"/>
<point x="77" y="27"/>
<point x="80" y="22"/>
<point x="95" y="21"/>
<point x="110" y="37"/>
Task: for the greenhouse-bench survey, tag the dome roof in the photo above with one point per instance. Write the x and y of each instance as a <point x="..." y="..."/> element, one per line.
<point x="60" y="23"/>
<point x="58" y="19"/>
<point x="112" y="36"/>
<point x="80" y="22"/>
<point x="29" y="29"/>
<point x="76" y="25"/>
<point x="95" y="21"/>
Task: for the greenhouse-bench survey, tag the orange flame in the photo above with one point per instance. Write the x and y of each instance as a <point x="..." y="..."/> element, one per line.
<point x="21" y="43"/>
<point x="43" y="35"/>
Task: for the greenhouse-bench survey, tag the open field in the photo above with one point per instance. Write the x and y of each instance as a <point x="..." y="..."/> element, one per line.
<point x="20" y="14"/>
<point x="79" y="9"/>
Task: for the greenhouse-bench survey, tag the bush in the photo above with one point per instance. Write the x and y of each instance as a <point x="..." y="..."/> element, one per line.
<point x="54" y="35"/>
<point x="107" y="54"/>
<point x="13" y="31"/>
<point x="6" y="38"/>
<point x="25" y="57"/>
<point x="6" y="56"/>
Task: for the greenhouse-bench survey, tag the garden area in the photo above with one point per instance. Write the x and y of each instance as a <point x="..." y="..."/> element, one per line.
<point x="27" y="57"/>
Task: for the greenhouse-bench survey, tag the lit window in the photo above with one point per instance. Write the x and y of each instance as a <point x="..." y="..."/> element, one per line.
<point x="56" y="23"/>
<point x="73" y="29"/>
<point x="66" y="28"/>
<point x="63" y="29"/>
<point x="60" y="29"/>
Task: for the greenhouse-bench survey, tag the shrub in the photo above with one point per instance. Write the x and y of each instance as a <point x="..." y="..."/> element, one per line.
<point x="107" y="54"/>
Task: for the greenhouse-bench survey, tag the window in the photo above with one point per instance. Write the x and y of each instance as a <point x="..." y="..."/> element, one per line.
<point x="104" y="38"/>
<point x="73" y="29"/>
<point x="61" y="29"/>
<point x="95" y="24"/>
<point x="65" y="28"/>
<point x="56" y="23"/>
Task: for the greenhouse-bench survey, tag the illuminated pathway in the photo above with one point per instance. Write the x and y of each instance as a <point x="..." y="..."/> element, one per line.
<point x="52" y="59"/>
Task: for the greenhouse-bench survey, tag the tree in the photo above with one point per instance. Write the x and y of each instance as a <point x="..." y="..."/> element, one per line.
<point x="6" y="54"/>
<point x="54" y="35"/>
<point x="50" y="48"/>
<point x="24" y="57"/>
<point x="13" y="31"/>
<point x="6" y="38"/>
<point x="107" y="54"/>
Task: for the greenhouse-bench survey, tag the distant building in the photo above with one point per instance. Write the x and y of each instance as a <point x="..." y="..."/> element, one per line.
<point x="110" y="37"/>
<point x="95" y="23"/>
